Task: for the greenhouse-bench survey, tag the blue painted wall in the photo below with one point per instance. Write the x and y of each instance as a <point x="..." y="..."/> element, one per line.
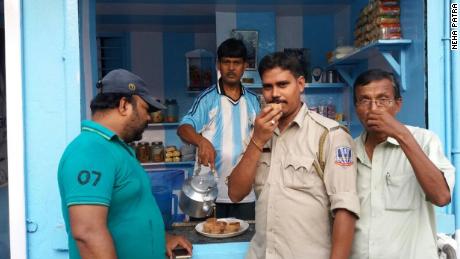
<point x="412" y="24"/>
<point x="319" y="37"/>
<point x="414" y="98"/>
<point x="156" y="19"/>
<point x="265" y="24"/>
<point x="175" y="45"/>
<point x="51" y="88"/>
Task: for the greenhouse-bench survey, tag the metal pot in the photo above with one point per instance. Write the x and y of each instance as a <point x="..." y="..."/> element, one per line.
<point x="198" y="194"/>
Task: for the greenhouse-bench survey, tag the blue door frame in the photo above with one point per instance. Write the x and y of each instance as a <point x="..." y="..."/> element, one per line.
<point x="51" y="86"/>
<point x="443" y="97"/>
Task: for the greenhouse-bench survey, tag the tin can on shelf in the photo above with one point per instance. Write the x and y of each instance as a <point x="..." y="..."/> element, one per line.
<point x="332" y="76"/>
<point x="172" y="111"/>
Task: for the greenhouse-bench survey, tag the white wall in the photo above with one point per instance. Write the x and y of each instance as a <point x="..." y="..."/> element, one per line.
<point x="147" y="59"/>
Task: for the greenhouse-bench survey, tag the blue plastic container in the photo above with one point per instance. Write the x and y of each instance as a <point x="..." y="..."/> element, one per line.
<point x="166" y="184"/>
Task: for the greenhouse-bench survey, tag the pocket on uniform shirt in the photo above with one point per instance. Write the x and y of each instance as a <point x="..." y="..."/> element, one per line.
<point x="263" y="168"/>
<point x="298" y="173"/>
<point x="402" y="192"/>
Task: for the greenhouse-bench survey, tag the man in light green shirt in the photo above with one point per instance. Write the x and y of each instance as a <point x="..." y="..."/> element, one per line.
<point x="402" y="174"/>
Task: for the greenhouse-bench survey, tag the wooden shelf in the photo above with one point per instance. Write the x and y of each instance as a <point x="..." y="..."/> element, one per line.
<point x="164" y="125"/>
<point x="386" y="48"/>
<point x="325" y="85"/>
<point x="181" y="163"/>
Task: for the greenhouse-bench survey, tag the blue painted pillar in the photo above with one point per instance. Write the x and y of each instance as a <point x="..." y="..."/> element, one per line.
<point x="441" y="98"/>
<point x="51" y="94"/>
<point x="455" y="85"/>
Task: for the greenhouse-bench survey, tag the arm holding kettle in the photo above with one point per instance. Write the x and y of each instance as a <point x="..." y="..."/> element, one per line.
<point x="206" y="151"/>
<point x="242" y="177"/>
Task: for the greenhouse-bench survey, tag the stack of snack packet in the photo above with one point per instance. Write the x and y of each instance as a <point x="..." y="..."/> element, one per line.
<point x="379" y="20"/>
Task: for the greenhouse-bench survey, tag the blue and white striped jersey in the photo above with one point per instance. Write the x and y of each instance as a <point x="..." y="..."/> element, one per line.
<point x="227" y="124"/>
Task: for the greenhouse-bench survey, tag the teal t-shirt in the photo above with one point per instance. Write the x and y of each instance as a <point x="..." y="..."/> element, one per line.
<point x="99" y="168"/>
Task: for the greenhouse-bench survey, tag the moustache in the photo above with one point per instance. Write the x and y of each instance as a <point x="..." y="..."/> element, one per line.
<point x="278" y="101"/>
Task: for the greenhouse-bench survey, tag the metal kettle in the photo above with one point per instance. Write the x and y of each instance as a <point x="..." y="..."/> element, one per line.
<point x="198" y="194"/>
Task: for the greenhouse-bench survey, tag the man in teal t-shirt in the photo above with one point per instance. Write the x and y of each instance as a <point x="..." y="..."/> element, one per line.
<point x="106" y="196"/>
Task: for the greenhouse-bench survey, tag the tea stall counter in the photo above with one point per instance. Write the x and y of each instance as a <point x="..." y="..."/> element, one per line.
<point x="222" y="248"/>
<point x="234" y="250"/>
<point x="187" y="229"/>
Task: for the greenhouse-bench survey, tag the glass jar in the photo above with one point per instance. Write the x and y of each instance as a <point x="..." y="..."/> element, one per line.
<point x="158" y="151"/>
<point x="137" y="148"/>
<point x="144" y="152"/>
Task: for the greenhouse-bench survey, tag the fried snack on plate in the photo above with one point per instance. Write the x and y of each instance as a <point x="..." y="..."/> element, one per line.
<point x="208" y="224"/>
<point x="217" y="227"/>
<point x="232" y="227"/>
<point x="214" y="226"/>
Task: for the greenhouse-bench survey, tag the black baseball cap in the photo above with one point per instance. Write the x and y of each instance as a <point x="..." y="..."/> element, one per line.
<point x="124" y="82"/>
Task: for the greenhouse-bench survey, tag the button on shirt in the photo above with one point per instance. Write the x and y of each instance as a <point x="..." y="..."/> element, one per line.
<point x="396" y="220"/>
<point x="294" y="205"/>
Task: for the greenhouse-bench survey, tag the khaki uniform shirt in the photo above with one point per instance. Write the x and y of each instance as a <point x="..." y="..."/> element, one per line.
<point x="396" y="220"/>
<point x="293" y="208"/>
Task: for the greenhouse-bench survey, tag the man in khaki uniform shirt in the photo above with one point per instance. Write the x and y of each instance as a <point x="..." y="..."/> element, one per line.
<point x="295" y="199"/>
<point x="402" y="172"/>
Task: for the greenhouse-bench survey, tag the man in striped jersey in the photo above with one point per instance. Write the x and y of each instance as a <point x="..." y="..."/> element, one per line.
<point x="219" y="122"/>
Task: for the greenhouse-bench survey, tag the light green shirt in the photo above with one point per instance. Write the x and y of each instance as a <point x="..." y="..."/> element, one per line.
<point x="396" y="220"/>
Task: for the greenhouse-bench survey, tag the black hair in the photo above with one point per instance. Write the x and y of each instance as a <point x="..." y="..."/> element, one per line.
<point x="283" y="61"/>
<point x="232" y="48"/>
<point x="372" y="75"/>
<point x="109" y="101"/>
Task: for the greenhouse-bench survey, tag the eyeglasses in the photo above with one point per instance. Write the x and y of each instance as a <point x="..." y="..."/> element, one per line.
<point x="381" y="102"/>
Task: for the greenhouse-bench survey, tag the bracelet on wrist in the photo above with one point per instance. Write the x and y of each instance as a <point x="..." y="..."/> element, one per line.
<point x="255" y="144"/>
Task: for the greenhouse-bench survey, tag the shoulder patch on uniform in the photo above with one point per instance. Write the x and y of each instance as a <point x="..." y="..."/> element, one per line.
<point x="323" y="121"/>
<point x="343" y="156"/>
